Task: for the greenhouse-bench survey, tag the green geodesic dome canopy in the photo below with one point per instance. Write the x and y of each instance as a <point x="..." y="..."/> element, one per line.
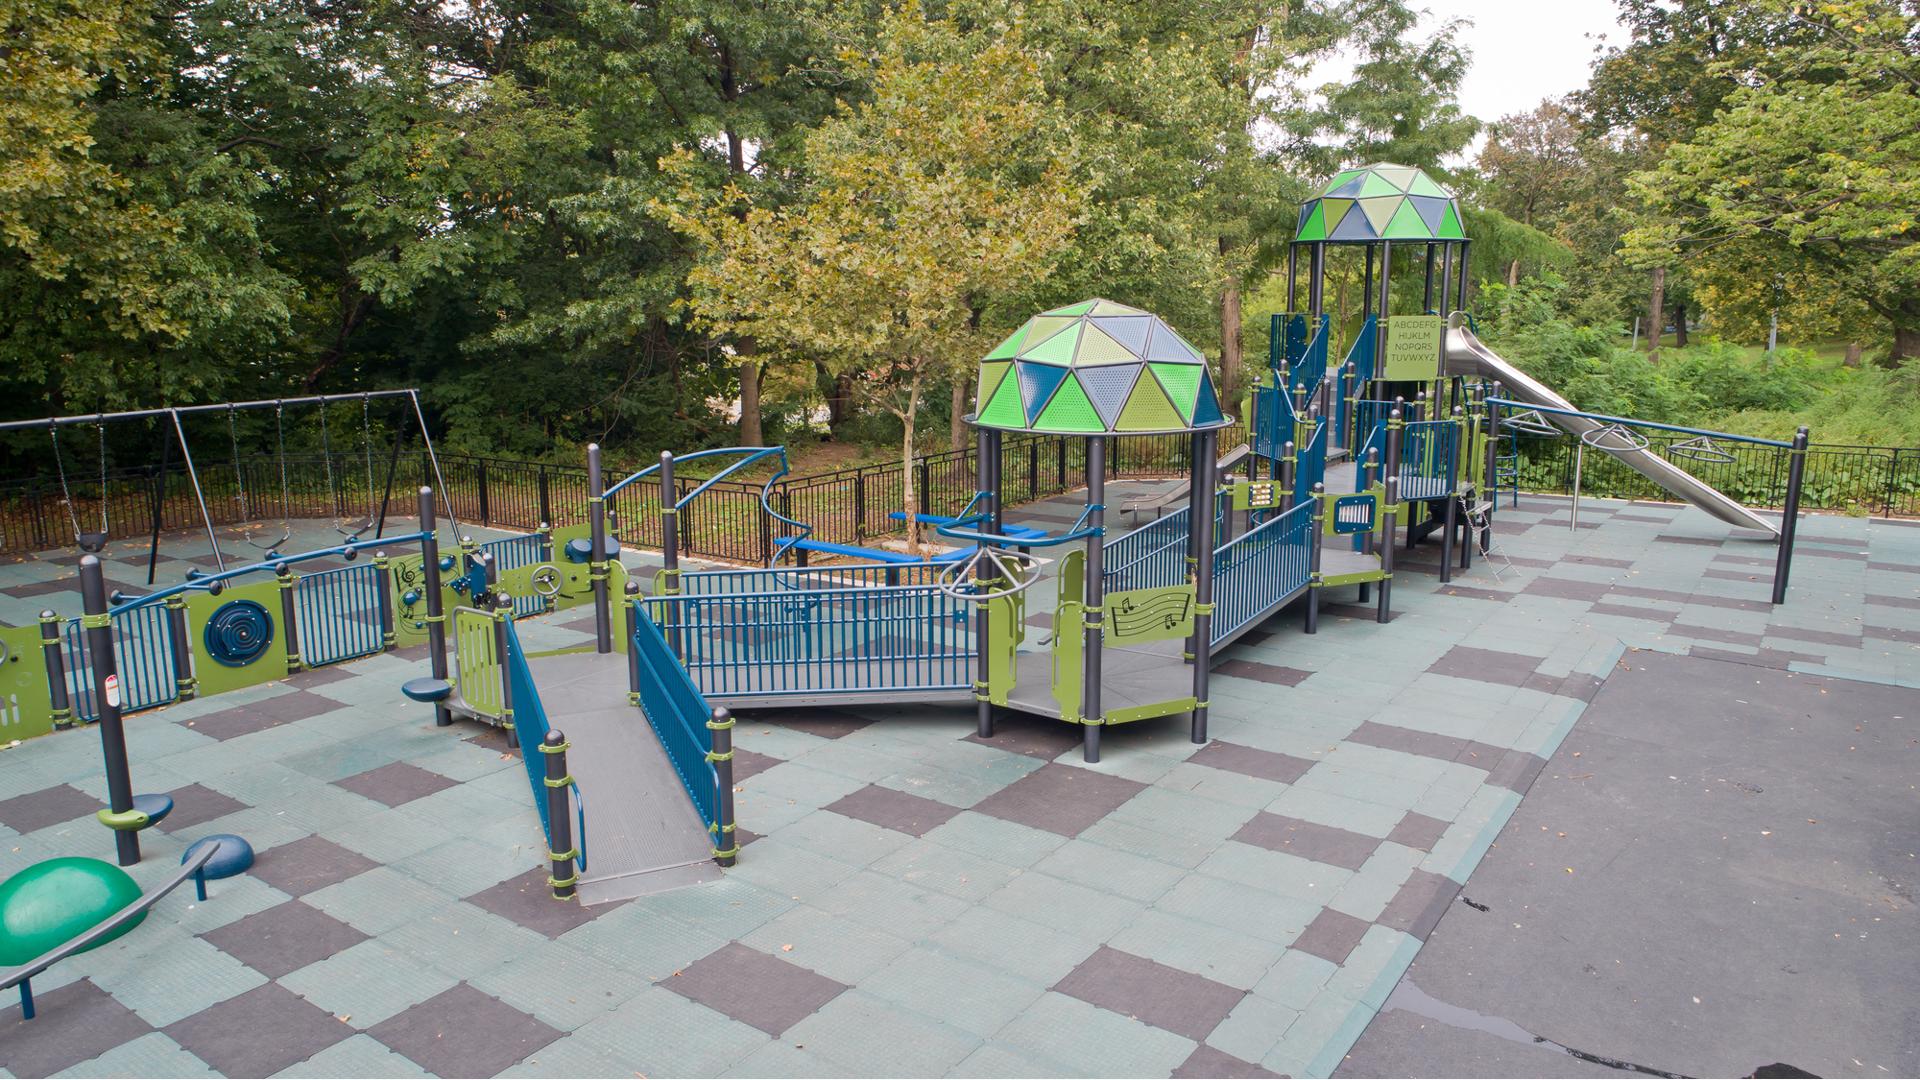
<point x="1094" y="368"/>
<point x="1380" y="202"/>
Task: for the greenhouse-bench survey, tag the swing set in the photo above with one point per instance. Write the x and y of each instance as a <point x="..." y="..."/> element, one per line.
<point x="351" y="524"/>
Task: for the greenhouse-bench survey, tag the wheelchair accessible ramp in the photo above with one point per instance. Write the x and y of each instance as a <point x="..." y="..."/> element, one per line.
<point x="643" y="835"/>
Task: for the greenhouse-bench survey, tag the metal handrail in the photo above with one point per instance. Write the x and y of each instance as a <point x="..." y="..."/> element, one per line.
<point x="1605" y="418"/>
<point x="754" y="453"/>
<point x="205" y="582"/>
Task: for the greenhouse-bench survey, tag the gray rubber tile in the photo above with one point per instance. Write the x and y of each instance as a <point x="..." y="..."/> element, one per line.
<point x="1248" y="761"/>
<point x="464" y="1032"/>
<point x="309" y="864"/>
<point x="49" y="806"/>
<point x="896" y="810"/>
<point x="396" y="783"/>
<point x="259" y="1032"/>
<point x="284" y="938"/>
<point x="1153" y="993"/>
<point x="1060" y="798"/>
<point x="1308" y="840"/>
<point x="72" y="1024"/>
<point x="754" y="988"/>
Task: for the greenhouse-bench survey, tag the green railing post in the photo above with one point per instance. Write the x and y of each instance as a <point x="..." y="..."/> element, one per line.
<point x="286" y="577"/>
<point x="726" y="847"/>
<point x="62" y="705"/>
<point x="383" y="570"/>
<point x="1316" y="539"/>
<point x="632" y="597"/>
<point x="502" y="627"/>
<point x="183" y="682"/>
<point x="561" y="852"/>
<point x="597" y="536"/>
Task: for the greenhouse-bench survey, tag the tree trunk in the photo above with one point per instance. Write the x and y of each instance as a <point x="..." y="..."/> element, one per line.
<point x="1231" y="352"/>
<point x="1680" y="325"/>
<point x="1852" y="359"/>
<point x="750" y="431"/>
<point x="1513" y="273"/>
<point x="1656" y="312"/>
<point x="1906" y="345"/>
<point x="911" y="501"/>
<point x="957" y="423"/>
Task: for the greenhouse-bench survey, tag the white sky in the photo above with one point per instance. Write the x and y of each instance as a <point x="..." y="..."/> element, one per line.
<point x="1522" y="50"/>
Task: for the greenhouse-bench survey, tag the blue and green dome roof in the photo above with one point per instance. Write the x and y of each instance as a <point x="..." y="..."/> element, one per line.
<point x="1380" y="202"/>
<point x="1094" y="368"/>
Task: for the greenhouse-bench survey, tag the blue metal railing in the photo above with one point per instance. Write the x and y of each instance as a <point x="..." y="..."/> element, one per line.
<point x="514" y="552"/>
<point x="839" y="640"/>
<point x="203" y="582"/>
<point x="1260" y="569"/>
<point x="748" y="455"/>
<point x="1355" y="373"/>
<point x="679" y="714"/>
<point x="711" y="583"/>
<point x="1311" y="366"/>
<point x="1428" y="453"/>
<point x="143" y="659"/>
<point x="530" y="727"/>
<point x="338" y="614"/>
<point x="1153" y="555"/>
<point x="1310" y="462"/>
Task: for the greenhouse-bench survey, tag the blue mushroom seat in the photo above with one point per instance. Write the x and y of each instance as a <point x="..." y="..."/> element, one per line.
<point x="428" y="690"/>
<point x="580" y="549"/>
<point x="232" y="855"/>
<point x="154" y="806"/>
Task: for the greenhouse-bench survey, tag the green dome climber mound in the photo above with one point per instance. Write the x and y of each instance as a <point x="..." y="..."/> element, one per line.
<point x="50" y="903"/>
<point x="1096" y="367"/>
<point x="1380" y="202"/>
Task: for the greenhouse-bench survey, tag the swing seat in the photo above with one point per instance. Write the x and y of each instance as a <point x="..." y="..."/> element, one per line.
<point x="429" y="691"/>
<point x="93" y="543"/>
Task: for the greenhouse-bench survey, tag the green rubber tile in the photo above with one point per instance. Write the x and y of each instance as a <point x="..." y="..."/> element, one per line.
<point x="782" y="1059"/>
<point x="765" y="811"/>
<point x="1036" y="953"/>
<point x="889" y="902"/>
<point x="1278" y="872"/>
<point x="1374" y="966"/>
<point x="1327" y="808"/>
<point x="228" y="900"/>
<point x="178" y="979"/>
<point x="1174" y="848"/>
<point x="1007" y="842"/>
<point x="961" y="993"/>
<point x="964" y="786"/>
<point x="774" y="740"/>
<point x="1225" y="956"/>
<point x="462" y="867"/>
<point x="360" y="1056"/>
<point x="1253" y="1029"/>
<point x="368" y="983"/>
<point x="727" y="909"/>
<point x="849" y="840"/>
<point x="853" y="761"/>
<point x="924" y="864"/>
<point x="567" y="1058"/>
<point x="845" y="950"/>
<point x="1180" y="812"/>
<point x="1225" y="904"/>
<point x="148" y="742"/>
<point x="994" y="1060"/>
<point x="1368" y="892"/>
<point x="1296" y="979"/>
<point x="1065" y="905"/>
<point x="462" y="760"/>
<point x="562" y="986"/>
<point x="1110" y="869"/>
<point x="150" y="1055"/>
<point x="1220" y="786"/>
<point x="461" y="940"/>
<point x="1395" y="766"/>
<point x="1084" y="1040"/>
<point x="336" y="761"/>
<point x="389" y="836"/>
<point x="638" y="940"/>
<point x="379" y="900"/>
<point x="803" y="784"/>
<point x="790" y="870"/>
<point x="1337" y="776"/>
<point x="660" y="1033"/>
<point x="874" y="1037"/>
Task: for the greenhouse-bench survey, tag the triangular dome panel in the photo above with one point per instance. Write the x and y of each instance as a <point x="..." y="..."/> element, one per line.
<point x="1070" y="410"/>
<point x="1041" y="327"/>
<point x="1003" y="409"/>
<point x="1109" y="307"/>
<point x="990" y="376"/>
<point x="1424" y="185"/>
<point x="1170" y="346"/>
<point x="1008" y="348"/>
<point x="1352" y="187"/>
<point x="1341" y="180"/>
<point x="1096" y="347"/>
<point x="1071" y="310"/>
<point x="1354" y="227"/>
<point x="1431" y="211"/>
<point x="1380" y="211"/>
<point x="1407" y="224"/>
<point x="1450" y="226"/>
<point x="1148" y="409"/>
<point x="1335" y="209"/>
<point x="1206" y="410"/>
<point x="1181" y="382"/>
<point x="1128" y="330"/>
<point x="1057" y="349"/>
<point x="1037" y="384"/>
<point x="1400" y="176"/>
<point x="1375" y="184"/>
<point x="1107" y="387"/>
<point x="1315" y="227"/>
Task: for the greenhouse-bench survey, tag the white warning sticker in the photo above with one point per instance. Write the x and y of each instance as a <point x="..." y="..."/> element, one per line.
<point x="113" y="690"/>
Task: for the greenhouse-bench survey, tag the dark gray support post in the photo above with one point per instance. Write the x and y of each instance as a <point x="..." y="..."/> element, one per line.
<point x="183" y="683"/>
<point x="726" y="847"/>
<point x="383" y="569"/>
<point x="436" y="608"/>
<point x="1315" y="541"/>
<point x="632" y="591"/>
<point x="106" y="699"/>
<point x="996" y="478"/>
<point x="502" y="615"/>
<point x="1450" y="521"/>
<point x="289" y="625"/>
<point x="1426" y="304"/>
<point x="597" y="560"/>
<point x="1287" y="467"/>
<point x="561" y="877"/>
<point x="62" y="705"/>
<point x="1293" y="263"/>
<point x="983" y="446"/>
<point x="1790" y="516"/>
<point x="1460" y="294"/>
<point x="1092" y="618"/>
<point x="1204" y="469"/>
<point x="1369" y="471"/>
<point x="1366" y="279"/>
<point x="1386" y="273"/>
<point x="1316" y="281"/>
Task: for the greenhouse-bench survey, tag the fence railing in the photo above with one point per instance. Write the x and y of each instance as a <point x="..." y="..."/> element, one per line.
<point x="1260" y="568"/>
<point x="850" y="506"/>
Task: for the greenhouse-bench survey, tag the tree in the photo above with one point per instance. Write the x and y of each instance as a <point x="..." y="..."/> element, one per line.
<point x="917" y="209"/>
<point x="1820" y="164"/>
<point x="1530" y="168"/>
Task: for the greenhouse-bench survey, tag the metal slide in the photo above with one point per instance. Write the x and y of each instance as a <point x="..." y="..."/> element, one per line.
<point x="1467" y="355"/>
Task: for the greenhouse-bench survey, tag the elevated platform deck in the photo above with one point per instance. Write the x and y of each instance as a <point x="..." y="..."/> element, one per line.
<point x="643" y="834"/>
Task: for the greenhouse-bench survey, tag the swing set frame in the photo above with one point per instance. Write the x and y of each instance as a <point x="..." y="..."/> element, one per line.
<point x="174" y="414"/>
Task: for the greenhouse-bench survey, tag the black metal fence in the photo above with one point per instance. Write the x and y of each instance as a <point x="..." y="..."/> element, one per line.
<point x="849" y="506"/>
